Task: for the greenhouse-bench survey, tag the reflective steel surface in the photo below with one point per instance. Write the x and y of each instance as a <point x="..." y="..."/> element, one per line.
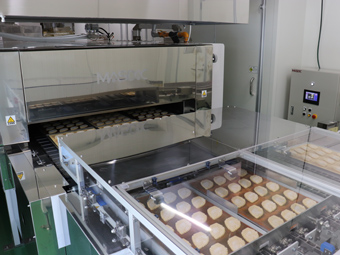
<point x="13" y="123"/>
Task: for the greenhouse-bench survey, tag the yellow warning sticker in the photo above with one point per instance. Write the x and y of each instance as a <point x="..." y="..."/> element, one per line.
<point x="204" y="93"/>
<point x="11" y="120"/>
<point x="21" y="176"/>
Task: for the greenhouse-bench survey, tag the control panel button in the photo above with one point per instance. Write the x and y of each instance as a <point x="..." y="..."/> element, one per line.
<point x="314" y="116"/>
<point x="309" y="115"/>
<point x="309" y="109"/>
<point x="303" y="114"/>
<point x="304" y="108"/>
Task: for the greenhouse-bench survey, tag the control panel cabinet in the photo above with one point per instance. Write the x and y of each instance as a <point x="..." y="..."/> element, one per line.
<point x="314" y="96"/>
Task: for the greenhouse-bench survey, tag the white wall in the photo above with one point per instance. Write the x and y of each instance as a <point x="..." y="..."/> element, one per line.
<point x="330" y="40"/>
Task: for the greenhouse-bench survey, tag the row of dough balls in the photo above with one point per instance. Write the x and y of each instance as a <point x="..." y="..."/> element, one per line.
<point x="201" y="239"/>
<point x="234" y="187"/>
<point x="317" y="155"/>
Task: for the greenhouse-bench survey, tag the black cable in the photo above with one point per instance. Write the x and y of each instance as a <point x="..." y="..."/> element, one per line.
<point x="108" y="35"/>
<point x="320" y="30"/>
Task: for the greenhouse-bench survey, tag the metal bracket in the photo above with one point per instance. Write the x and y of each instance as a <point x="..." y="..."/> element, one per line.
<point x="290" y="250"/>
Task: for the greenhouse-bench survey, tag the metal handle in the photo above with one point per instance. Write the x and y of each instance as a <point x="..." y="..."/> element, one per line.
<point x="251" y="88"/>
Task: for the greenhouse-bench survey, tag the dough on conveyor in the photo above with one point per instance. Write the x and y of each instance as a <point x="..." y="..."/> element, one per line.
<point x="207" y="184"/>
<point x="334" y="157"/>
<point x="226" y="175"/>
<point x="328" y="151"/>
<point x="200" y="240"/>
<point x="320" y="162"/>
<point x="291" y="195"/>
<point x="236" y="243"/>
<point x="169" y="197"/>
<point x="329" y="160"/>
<point x="287" y="214"/>
<point x="275" y="221"/>
<point x="299" y="150"/>
<point x="232" y="224"/>
<point x="167" y="215"/>
<point x="313" y="146"/>
<point x="184" y="193"/>
<point x="219" y="180"/>
<point x="309" y="202"/>
<point x="218" y="249"/>
<point x="183" y="226"/>
<point x="269" y="206"/>
<point x="313" y="155"/>
<point x="222" y="192"/>
<point x="320" y="152"/>
<point x="273" y="186"/>
<point x="234" y="187"/>
<point x="297" y="208"/>
<point x="200" y="217"/>
<point x="245" y="183"/>
<point x="151" y="204"/>
<point x="183" y="207"/>
<point x="214" y="212"/>
<point x="251" y="196"/>
<point x="217" y="230"/>
<point x="243" y="173"/>
<point x="261" y="191"/>
<point x="238" y="201"/>
<point x="198" y="202"/>
<point x="255" y="211"/>
<point x="256" y="179"/>
<point x="335" y="168"/>
<point x="280" y="200"/>
<point x="249" y="234"/>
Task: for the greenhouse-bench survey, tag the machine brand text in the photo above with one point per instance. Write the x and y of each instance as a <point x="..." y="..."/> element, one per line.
<point x="125" y="75"/>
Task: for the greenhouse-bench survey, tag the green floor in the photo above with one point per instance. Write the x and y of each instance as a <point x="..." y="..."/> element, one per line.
<point x="6" y="236"/>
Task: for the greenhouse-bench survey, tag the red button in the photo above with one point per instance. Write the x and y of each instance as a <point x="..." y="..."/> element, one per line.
<point x="314" y="116"/>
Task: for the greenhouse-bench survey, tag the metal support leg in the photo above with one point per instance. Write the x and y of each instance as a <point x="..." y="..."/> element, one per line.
<point x="135" y="239"/>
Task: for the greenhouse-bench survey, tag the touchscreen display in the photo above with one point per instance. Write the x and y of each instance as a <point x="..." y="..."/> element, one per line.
<point x="311" y="97"/>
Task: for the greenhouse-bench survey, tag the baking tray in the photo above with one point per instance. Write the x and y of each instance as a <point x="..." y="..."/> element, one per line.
<point x="194" y="229"/>
<point x="243" y="211"/>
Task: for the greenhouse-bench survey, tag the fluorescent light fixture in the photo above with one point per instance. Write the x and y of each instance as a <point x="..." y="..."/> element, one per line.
<point x="112" y="161"/>
<point x="197" y="223"/>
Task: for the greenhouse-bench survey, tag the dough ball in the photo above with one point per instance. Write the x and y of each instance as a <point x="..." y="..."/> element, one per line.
<point x="313" y="155"/>
<point x="228" y="177"/>
<point x="184" y="193"/>
<point x="214" y="212"/>
<point x="287" y="214"/>
<point x="329" y="160"/>
<point x="300" y="150"/>
<point x="169" y="197"/>
<point x="256" y="179"/>
<point x="232" y="224"/>
<point x="222" y="192"/>
<point x="183" y="226"/>
<point x="328" y="151"/>
<point x="238" y="201"/>
<point x="183" y="207"/>
<point x="245" y="183"/>
<point x="217" y="230"/>
<point x="320" y="152"/>
<point x="243" y="173"/>
<point x="198" y="202"/>
<point x="167" y="215"/>
<point x="151" y="204"/>
<point x="309" y="202"/>
<point x="207" y="184"/>
<point x="255" y="211"/>
<point x="261" y="191"/>
<point x="280" y="200"/>
<point x="320" y="162"/>
<point x="312" y="146"/>
<point x="273" y="186"/>
<point x="200" y="240"/>
<point x="218" y="249"/>
<point x="334" y="157"/>
<point x="291" y="195"/>
<point x="249" y="234"/>
<point x="297" y="208"/>
<point x="269" y="206"/>
<point x="234" y="187"/>
<point x="219" y="180"/>
<point x="251" y="196"/>
<point x="236" y="243"/>
<point x="275" y="221"/>
<point x="200" y="217"/>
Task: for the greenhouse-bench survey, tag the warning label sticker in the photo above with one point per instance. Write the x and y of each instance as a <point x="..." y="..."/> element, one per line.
<point x="204" y="93"/>
<point x="21" y="176"/>
<point x="11" y="120"/>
